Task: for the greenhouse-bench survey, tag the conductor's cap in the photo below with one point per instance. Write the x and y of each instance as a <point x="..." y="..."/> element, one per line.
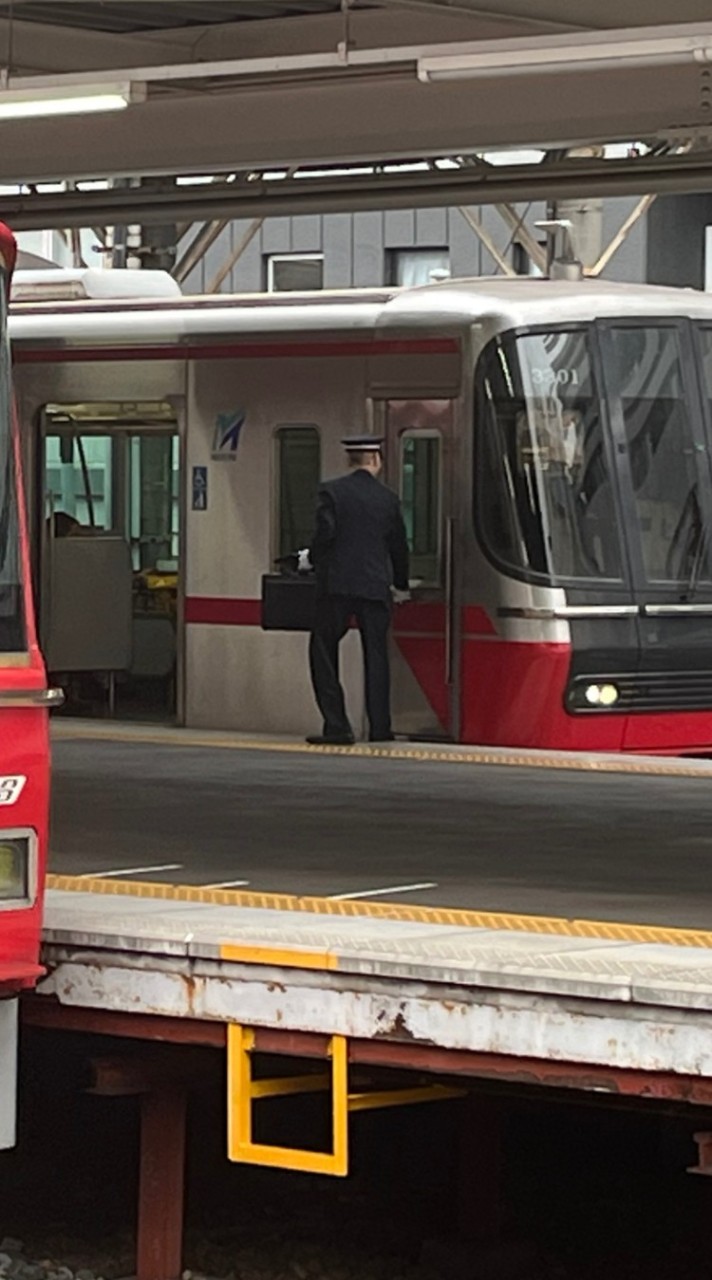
<point x="363" y="444"/>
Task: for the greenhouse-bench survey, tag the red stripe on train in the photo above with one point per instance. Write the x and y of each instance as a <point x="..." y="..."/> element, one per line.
<point x="223" y="611"/>
<point x="237" y="351"/>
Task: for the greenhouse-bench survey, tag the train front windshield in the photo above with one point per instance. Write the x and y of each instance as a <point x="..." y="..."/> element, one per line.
<point x="558" y="413"/>
<point x="13" y="637"/>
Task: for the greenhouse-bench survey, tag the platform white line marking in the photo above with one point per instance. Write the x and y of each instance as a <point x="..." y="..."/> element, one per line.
<point x="130" y="871"/>
<point x="380" y="893"/>
<point x="227" y="884"/>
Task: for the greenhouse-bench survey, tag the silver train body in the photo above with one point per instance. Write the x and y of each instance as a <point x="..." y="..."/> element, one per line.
<point x="550" y="441"/>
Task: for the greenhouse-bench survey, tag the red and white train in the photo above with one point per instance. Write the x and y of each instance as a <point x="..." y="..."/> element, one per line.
<point x="551" y="443"/>
<point x="24" y="749"/>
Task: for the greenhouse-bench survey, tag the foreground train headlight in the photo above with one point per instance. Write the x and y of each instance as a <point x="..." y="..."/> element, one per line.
<point x="601" y="695"/>
<point x="15" y="868"/>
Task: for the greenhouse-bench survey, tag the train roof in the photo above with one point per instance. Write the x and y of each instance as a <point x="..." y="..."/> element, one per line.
<point x="54" y="284"/>
<point x="453" y="305"/>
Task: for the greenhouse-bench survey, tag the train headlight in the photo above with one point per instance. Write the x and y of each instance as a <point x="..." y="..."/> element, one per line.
<point x="15" y="868"/>
<point x="609" y="695"/>
<point x="601" y="695"/>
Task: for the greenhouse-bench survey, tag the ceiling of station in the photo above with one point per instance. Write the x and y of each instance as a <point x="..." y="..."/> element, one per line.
<point x="157" y="15"/>
<point x="241" y="87"/>
<point x="138" y="16"/>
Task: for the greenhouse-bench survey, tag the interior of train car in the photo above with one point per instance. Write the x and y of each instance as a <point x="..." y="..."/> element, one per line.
<point x="108" y="552"/>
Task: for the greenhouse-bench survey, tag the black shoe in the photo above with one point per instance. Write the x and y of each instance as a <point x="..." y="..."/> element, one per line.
<point x="382" y="737"/>
<point x="331" y="740"/>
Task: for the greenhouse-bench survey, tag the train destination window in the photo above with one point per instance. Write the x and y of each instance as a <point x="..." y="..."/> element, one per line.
<point x="645" y="374"/>
<point x="420" y="471"/>
<point x="544" y="500"/>
<point x="298" y="475"/>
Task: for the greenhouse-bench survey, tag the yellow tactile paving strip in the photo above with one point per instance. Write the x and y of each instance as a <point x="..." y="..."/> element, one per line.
<point x="555" y="926"/>
<point x="520" y="759"/>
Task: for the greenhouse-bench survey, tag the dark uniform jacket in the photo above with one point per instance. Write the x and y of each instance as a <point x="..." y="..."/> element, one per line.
<point x="359" y="546"/>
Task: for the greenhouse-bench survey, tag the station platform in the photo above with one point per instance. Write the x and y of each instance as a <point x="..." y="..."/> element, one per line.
<point x="436" y="899"/>
<point x="431" y="921"/>
<point x="568" y="1003"/>
<point x="606" y="838"/>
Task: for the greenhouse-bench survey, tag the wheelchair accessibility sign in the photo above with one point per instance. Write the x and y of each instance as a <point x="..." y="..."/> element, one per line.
<point x="226" y="438"/>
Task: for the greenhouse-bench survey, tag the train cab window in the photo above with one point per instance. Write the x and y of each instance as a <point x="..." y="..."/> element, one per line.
<point x="420" y="471"/>
<point x="668" y="466"/>
<point x="298" y="475"/>
<point x="544" y="500"/>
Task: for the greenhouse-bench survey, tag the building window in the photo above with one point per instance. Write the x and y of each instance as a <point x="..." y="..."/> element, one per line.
<point x="298" y="475"/>
<point x="420" y="499"/>
<point x="294" y="271"/>
<point x="417" y="266"/>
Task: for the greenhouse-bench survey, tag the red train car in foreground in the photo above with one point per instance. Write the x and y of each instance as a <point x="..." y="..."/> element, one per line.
<point x="24" y="746"/>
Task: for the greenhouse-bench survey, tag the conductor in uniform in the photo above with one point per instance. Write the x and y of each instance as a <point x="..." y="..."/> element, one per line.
<point x="360" y="554"/>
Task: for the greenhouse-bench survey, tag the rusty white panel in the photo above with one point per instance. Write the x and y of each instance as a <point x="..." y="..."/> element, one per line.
<point x="8" y="1072"/>
<point x="557" y="1030"/>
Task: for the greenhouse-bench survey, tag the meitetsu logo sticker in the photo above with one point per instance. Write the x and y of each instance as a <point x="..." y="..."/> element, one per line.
<point x="11" y="788"/>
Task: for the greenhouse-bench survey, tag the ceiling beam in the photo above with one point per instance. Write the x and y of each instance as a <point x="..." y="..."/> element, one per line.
<point x="371" y="115"/>
<point x="45" y="49"/>
<point x="38" y="47"/>
<point x="533" y="22"/>
<point x="294" y="195"/>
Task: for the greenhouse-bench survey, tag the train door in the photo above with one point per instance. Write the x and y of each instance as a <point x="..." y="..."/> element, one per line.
<point x="109" y="556"/>
<point x="418" y="466"/>
<point x="657" y="424"/>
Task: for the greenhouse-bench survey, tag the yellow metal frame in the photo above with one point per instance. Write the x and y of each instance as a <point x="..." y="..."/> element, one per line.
<point x="242" y="1090"/>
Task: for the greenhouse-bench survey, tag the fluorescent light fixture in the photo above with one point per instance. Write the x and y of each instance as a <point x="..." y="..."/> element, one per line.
<point x="522" y="57"/>
<point x="33" y="104"/>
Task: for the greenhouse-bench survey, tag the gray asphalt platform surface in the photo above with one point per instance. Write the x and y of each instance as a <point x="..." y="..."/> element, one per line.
<point x="535" y="841"/>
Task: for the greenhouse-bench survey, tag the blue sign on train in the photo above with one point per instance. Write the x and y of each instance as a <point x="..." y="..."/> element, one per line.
<point x="200" y="488"/>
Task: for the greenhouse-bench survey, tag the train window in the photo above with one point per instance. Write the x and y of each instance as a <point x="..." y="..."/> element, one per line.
<point x="79" y="470"/>
<point x="544" y="499"/>
<point x="420" y="471"/>
<point x="299" y="472"/>
<point x="645" y="375"/>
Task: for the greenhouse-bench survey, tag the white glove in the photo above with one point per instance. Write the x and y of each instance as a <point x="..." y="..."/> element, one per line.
<point x="400" y="597"/>
<point x="304" y="564"/>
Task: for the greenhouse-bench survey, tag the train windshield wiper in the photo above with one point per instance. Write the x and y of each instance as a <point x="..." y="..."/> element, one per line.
<point x="700" y="551"/>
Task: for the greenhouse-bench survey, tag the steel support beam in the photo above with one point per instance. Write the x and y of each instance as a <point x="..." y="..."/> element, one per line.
<point x="437" y="188"/>
<point x="661" y="1086"/>
<point x="486" y="240"/>
<point x="621" y="235"/>
<point x="159" y="1247"/>
<point x="203" y="240"/>
<point x="522" y="235"/>
<point x="226" y="267"/>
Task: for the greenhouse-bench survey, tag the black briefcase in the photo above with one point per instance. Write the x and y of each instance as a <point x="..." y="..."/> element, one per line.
<point x="288" y="601"/>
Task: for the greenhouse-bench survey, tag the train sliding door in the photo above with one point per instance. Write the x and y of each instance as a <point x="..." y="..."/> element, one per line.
<point x="657" y="424"/>
<point x="418" y="452"/>
<point x="108" y="555"/>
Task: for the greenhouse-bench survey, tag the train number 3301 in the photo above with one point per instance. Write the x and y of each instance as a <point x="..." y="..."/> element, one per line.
<point x="11" y="788"/>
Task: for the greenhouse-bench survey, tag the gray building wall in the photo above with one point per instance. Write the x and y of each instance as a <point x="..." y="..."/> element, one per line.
<point x="676" y="240"/>
<point x="356" y="247"/>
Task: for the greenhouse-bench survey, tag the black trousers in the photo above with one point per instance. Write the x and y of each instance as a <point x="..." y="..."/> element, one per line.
<point x="331" y="622"/>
